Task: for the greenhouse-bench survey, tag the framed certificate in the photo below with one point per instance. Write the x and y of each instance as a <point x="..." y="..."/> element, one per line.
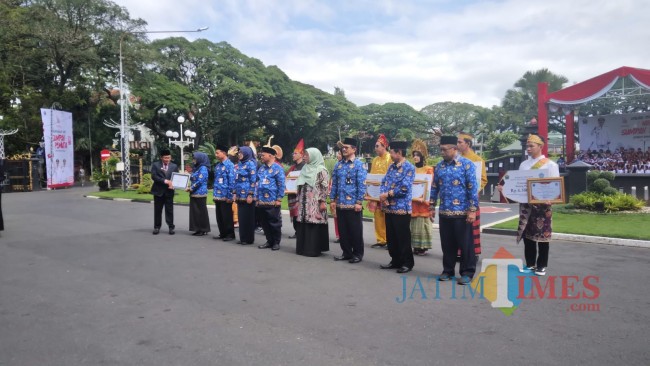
<point x="372" y="191"/>
<point x="542" y="190"/>
<point x="419" y="191"/>
<point x="180" y="180"/>
<point x="291" y="182"/>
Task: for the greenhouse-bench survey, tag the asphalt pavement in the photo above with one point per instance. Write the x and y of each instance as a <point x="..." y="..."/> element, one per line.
<point x="84" y="282"/>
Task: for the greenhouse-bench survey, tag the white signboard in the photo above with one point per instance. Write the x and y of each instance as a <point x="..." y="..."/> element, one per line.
<point x="59" y="148"/>
<point x="515" y="186"/>
<point x="614" y="131"/>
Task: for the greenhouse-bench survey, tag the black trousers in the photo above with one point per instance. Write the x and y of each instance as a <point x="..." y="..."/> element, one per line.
<point x="530" y="251"/>
<point x="398" y="235"/>
<point x="246" y="214"/>
<point x="350" y="232"/>
<point x="456" y="233"/>
<point x="159" y="202"/>
<point x="225" y="221"/>
<point x="271" y="222"/>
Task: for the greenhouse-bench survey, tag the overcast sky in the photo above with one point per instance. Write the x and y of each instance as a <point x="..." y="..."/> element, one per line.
<point x="414" y="51"/>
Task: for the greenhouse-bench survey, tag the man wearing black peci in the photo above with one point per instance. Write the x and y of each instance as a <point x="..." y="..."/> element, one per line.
<point x="163" y="191"/>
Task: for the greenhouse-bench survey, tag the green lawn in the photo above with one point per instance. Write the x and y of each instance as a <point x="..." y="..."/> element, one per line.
<point x="180" y="197"/>
<point x="626" y="226"/>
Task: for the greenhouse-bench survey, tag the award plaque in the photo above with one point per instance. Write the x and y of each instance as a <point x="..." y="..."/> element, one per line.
<point x="544" y="190"/>
<point x="372" y="191"/>
<point x="290" y="182"/>
<point x="180" y="180"/>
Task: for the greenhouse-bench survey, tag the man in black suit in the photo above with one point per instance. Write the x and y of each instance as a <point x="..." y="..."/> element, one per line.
<point x="163" y="191"/>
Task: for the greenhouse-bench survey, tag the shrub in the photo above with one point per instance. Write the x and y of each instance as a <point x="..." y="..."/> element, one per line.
<point x="607" y="175"/>
<point x="599" y="185"/>
<point x="145" y="185"/>
<point x="610" y="191"/>
<point x="612" y="203"/>
<point x="592" y="175"/>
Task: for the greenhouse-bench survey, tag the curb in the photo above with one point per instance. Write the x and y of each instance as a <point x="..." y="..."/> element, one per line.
<point x="567" y="237"/>
<point x="587" y="239"/>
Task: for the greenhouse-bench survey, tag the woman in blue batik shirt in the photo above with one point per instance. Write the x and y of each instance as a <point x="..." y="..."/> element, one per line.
<point x="199" y="218"/>
<point x="245" y="179"/>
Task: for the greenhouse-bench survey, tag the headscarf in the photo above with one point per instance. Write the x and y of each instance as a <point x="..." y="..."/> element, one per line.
<point x="201" y="160"/>
<point x="310" y="171"/>
<point x="247" y="154"/>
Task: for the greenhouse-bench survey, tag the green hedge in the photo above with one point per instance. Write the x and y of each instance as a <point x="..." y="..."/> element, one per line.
<point x="608" y="202"/>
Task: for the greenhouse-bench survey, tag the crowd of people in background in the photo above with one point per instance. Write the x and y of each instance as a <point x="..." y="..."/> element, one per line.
<point x="621" y="160"/>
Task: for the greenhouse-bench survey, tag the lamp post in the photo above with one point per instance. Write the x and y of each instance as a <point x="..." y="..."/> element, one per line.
<point x="124" y="148"/>
<point x="181" y="143"/>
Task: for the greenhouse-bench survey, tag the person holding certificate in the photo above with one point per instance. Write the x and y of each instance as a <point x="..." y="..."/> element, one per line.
<point x="421" y="226"/>
<point x="465" y="141"/>
<point x="312" y="229"/>
<point x="199" y="218"/>
<point x="346" y="197"/>
<point x="163" y="191"/>
<point x="454" y="180"/>
<point x="379" y="165"/>
<point x="245" y="181"/>
<point x="268" y="195"/>
<point x="395" y="197"/>
<point x="222" y="192"/>
<point x="535" y="219"/>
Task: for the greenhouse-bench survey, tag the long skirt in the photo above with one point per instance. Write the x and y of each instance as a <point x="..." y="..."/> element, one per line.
<point x="421" y="233"/>
<point x="246" y="213"/>
<point x="312" y="239"/>
<point x="2" y="222"/>
<point x="199" y="218"/>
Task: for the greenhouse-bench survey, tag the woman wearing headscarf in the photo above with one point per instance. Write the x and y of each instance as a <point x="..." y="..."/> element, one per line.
<point x="246" y="177"/>
<point x="199" y="219"/>
<point x="421" y="226"/>
<point x="312" y="235"/>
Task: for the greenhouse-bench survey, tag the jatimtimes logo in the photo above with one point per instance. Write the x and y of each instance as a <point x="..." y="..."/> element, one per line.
<point x="505" y="283"/>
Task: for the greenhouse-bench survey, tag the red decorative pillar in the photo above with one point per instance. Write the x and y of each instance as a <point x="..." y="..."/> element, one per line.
<point x="570" y="143"/>
<point x="542" y="114"/>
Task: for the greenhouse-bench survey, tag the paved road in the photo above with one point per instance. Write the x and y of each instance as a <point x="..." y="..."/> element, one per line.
<point x="83" y="282"/>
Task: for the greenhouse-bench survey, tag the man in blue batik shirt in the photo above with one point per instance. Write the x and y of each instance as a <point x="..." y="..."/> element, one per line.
<point x="346" y="197"/>
<point x="454" y="180"/>
<point x="222" y="193"/>
<point x="268" y="194"/>
<point x="395" y="196"/>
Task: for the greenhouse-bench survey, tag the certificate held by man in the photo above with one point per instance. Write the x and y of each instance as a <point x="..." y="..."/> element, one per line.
<point x="180" y="180"/>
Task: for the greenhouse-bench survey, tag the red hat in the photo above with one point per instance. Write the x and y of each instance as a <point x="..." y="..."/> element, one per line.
<point x="382" y="140"/>
<point x="300" y="147"/>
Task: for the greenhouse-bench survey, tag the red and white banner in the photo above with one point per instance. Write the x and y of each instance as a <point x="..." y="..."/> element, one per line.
<point x="614" y="131"/>
<point x="59" y="149"/>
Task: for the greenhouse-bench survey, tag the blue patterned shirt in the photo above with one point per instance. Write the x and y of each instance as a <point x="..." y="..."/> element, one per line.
<point x="245" y="179"/>
<point x="199" y="182"/>
<point x="398" y="183"/>
<point x="348" y="184"/>
<point x="455" y="182"/>
<point x="224" y="181"/>
<point x="270" y="185"/>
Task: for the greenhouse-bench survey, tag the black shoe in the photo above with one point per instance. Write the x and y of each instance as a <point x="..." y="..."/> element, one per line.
<point x="171" y="231"/>
<point x="378" y="245"/>
<point x="217" y="237"/>
<point x="355" y="260"/>
<point x="337" y="240"/>
<point x="198" y="233"/>
<point x="404" y="269"/>
<point x="266" y="245"/>
<point x="342" y="258"/>
<point x="464" y="280"/>
<point x="156" y="231"/>
<point x="228" y="239"/>
<point x="275" y="247"/>
<point x="445" y="277"/>
<point x="292" y="236"/>
<point x="388" y="266"/>
<point x="244" y="243"/>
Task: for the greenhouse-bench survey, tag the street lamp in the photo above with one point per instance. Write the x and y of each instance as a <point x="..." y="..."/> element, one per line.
<point x="124" y="148"/>
<point x="190" y="135"/>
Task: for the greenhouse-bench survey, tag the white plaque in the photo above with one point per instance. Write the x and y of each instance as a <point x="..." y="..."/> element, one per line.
<point x="180" y="180"/>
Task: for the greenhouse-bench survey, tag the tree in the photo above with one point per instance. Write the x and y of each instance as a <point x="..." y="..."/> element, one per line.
<point x="393" y="120"/>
